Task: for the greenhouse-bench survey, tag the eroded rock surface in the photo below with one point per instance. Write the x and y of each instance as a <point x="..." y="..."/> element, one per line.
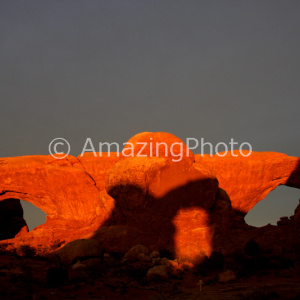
<point x="189" y="207"/>
<point x="247" y="180"/>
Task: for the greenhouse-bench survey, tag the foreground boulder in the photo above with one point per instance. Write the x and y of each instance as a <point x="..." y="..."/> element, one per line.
<point x="157" y="273"/>
<point x="89" y="264"/>
<point x="79" y="250"/>
<point x="138" y="252"/>
<point x="226" y="276"/>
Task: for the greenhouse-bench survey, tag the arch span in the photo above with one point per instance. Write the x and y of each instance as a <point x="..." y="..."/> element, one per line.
<point x="248" y="180"/>
<point x="61" y="188"/>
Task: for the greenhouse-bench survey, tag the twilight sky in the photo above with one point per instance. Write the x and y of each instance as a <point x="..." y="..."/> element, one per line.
<point x="110" y="69"/>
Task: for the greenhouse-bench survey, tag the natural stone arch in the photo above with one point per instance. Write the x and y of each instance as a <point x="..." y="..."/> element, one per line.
<point x="58" y="187"/>
<point x="71" y="191"/>
<point x="63" y="189"/>
<point x="248" y="180"/>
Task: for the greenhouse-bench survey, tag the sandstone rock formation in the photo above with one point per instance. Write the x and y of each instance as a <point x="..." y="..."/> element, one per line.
<point x="157" y="273"/>
<point x="79" y="249"/>
<point x="62" y="189"/>
<point x="189" y="206"/>
<point x="247" y="180"/>
<point x="135" y="253"/>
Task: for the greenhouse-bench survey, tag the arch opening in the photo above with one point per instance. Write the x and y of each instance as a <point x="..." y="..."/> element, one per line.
<point x="280" y="202"/>
<point x="17" y="217"/>
<point x="33" y="215"/>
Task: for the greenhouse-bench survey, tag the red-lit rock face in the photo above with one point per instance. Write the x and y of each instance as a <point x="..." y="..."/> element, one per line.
<point x="158" y="144"/>
<point x="62" y="189"/>
<point x="155" y="200"/>
<point x="247" y="180"/>
<point x="172" y="195"/>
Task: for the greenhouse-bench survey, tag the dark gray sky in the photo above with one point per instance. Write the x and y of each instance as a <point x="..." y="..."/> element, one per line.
<point x="110" y="69"/>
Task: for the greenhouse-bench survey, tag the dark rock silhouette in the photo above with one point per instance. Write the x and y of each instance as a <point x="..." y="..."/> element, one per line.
<point x="12" y="222"/>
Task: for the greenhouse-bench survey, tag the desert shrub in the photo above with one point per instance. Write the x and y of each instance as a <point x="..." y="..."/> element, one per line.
<point x="166" y="253"/>
<point x="3" y="248"/>
<point x="8" y="249"/>
<point x="116" y="255"/>
<point x="252" y="248"/>
<point x="238" y="262"/>
<point x="245" y="265"/>
<point x="206" y="265"/>
<point x="137" y="270"/>
<point x="201" y="266"/>
<point x="26" y="250"/>
<point x="260" y="294"/>
<point x="216" y="261"/>
<point x="279" y="263"/>
<point x="250" y="266"/>
<point x="56" y="276"/>
<point x="199" y="260"/>
<point x="181" y="259"/>
<point x="239" y="257"/>
<point x="136" y="273"/>
<point x="56" y="244"/>
<point x="43" y="249"/>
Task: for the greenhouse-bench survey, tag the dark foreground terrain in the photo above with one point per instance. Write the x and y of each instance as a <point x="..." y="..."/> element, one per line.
<point x="34" y="277"/>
